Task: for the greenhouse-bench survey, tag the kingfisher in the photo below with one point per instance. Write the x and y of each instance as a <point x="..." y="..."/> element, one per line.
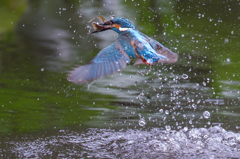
<point x="130" y="44"/>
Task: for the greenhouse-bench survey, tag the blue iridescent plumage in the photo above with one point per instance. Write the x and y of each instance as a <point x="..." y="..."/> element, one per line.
<point x="130" y="44"/>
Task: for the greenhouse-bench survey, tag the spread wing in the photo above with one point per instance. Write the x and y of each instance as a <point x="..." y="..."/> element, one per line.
<point x="108" y="61"/>
<point x="162" y="50"/>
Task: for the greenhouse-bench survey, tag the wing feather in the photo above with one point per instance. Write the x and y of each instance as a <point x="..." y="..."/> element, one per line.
<point x="108" y="61"/>
<point x="171" y="57"/>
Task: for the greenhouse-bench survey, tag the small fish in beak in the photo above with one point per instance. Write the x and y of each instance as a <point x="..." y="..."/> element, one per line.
<point x="99" y="27"/>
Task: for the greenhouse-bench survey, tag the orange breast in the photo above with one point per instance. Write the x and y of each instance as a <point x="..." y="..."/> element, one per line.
<point x="134" y="46"/>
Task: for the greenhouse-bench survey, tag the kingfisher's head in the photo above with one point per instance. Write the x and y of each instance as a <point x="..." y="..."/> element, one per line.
<point x="118" y="24"/>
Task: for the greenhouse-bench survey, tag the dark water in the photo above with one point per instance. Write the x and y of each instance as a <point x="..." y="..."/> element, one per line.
<point x="189" y="109"/>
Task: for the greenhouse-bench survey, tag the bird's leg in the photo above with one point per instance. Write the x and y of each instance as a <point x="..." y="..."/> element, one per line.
<point x="145" y="61"/>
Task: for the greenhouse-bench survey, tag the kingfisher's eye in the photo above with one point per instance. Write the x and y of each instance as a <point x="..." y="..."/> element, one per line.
<point x="111" y="22"/>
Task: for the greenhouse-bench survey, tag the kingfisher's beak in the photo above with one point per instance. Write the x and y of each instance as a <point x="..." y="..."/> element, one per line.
<point x="106" y="23"/>
<point x="101" y="27"/>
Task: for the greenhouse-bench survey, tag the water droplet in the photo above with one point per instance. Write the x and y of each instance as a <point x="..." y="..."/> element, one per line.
<point x="142" y="122"/>
<point x="204" y="83"/>
<point x="148" y="101"/>
<point x="206" y="114"/>
<point x="185" y="76"/>
<point x="185" y="129"/>
<point x="194" y="106"/>
<point x="168" y="127"/>
<point x="161" y="110"/>
<point x="166" y="112"/>
<point x="190" y="122"/>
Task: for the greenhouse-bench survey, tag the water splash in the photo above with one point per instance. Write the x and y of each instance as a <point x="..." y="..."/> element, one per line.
<point x="110" y="143"/>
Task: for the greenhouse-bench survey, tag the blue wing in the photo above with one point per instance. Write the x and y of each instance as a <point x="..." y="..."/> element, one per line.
<point x="108" y="61"/>
<point x="162" y="50"/>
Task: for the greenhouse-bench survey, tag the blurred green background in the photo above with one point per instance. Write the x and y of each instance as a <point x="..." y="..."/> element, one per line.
<point x="40" y="41"/>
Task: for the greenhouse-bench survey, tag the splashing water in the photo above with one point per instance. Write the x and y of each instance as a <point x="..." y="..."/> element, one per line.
<point x="109" y="143"/>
